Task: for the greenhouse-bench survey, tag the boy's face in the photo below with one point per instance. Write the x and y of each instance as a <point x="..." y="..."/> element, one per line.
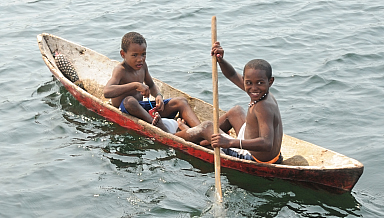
<point x="256" y="83"/>
<point x="135" y="56"/>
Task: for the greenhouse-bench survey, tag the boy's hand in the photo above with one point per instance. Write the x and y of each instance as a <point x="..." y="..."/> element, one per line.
<point x="159" y="103"/>
<point x="218" y="51"/>
<point x="143" y="89"/>
<point x="217" y="140"/>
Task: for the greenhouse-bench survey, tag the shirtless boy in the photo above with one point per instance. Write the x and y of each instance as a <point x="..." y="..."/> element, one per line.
<point x="131" y="81"/>
<point x="260" y="130"/>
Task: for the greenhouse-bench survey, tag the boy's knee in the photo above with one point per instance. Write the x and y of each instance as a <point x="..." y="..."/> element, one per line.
<point x="181" y="101"/>
<point x="130" y="101"/>
<point x="207" y="124"/>
<point x="237" y="109"/>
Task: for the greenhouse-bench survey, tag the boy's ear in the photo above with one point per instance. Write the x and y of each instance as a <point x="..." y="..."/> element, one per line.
<point x="122" y="53"/>
<point x="271" y="81"/>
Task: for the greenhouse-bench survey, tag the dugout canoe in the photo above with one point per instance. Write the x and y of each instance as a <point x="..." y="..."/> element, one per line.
<point x="303" y="162"/>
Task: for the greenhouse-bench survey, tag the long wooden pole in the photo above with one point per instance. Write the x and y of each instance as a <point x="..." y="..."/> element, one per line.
<point x="216" y="111"/>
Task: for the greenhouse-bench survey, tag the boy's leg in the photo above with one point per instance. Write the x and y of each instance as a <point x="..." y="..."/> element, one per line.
<point x="197" y="133"/>
<point x="181" y="104"/>
<point x="234" y="118"/>
<point x="135" y="109"/>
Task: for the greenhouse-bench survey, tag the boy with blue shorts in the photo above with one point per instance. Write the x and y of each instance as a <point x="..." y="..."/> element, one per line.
<point x="131" y="81"/>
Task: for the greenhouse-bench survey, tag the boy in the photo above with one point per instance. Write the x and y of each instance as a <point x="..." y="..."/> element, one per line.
<point x="131" y="81"/>
<point x="260" y="131"/>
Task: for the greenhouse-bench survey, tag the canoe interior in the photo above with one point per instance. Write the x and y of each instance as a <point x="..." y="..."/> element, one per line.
<point x="94" y="71"/>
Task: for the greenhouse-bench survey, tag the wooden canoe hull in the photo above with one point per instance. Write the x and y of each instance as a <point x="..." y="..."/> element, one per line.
<point x="303" y="161"/>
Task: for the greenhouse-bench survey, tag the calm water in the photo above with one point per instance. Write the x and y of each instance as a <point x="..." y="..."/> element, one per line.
<point x="60" y="160"/>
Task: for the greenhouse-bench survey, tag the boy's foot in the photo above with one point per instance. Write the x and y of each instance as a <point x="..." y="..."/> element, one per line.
<point x="205" y="143"/>
<point x="158" y="122"/>
<point x="182" y="125"/>
<point x="207" y="131"/>
<point x="156" y="119"/>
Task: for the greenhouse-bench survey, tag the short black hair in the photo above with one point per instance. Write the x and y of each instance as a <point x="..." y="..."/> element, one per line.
<point x="259" y="64"/>
<point x="131" y="37"/>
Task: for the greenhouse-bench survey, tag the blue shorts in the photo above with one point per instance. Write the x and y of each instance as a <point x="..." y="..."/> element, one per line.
<point x="147" y="106"/>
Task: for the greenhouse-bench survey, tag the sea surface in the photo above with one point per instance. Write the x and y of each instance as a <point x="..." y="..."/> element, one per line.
<point x="57" y="159"/>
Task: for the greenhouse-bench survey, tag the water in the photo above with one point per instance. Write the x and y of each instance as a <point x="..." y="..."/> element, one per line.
<point x="60" y="160"/>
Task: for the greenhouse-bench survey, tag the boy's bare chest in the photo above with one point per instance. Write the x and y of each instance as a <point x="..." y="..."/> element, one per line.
<point x="137" y="76"/>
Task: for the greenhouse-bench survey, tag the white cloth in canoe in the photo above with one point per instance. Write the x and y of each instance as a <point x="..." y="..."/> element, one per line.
<point x="171" y="124"/>
<point x="240" y="136"/>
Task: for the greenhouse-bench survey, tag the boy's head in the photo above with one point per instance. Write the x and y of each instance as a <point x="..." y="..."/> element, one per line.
<point x="131" y="37"/>
<point x="257" y="78"/>
<point x="259" y="64"/>
<point x="134" y="50"/>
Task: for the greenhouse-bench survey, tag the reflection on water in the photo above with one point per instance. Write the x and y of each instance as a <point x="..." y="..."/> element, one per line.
<point x="271" y="197"/>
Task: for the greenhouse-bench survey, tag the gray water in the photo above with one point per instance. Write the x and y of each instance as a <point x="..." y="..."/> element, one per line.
<point x="60" y="160"/>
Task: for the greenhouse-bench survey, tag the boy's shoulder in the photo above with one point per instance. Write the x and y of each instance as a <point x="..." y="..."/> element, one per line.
<point x="119" y="67"/>
<point x="266" y="106"/>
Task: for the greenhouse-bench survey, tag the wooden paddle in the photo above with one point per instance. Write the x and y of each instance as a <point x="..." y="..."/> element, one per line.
<point x="216" y="112"/>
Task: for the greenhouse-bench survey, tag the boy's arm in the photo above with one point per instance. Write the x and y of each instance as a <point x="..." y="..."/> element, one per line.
<point x="226" y="67"/>
<point x="152" y="86"/>
<point x="114" y="89"/>
<point x="154" y="90"/>
<point x="231" y="73"/>
<point x="263" y="143"/>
